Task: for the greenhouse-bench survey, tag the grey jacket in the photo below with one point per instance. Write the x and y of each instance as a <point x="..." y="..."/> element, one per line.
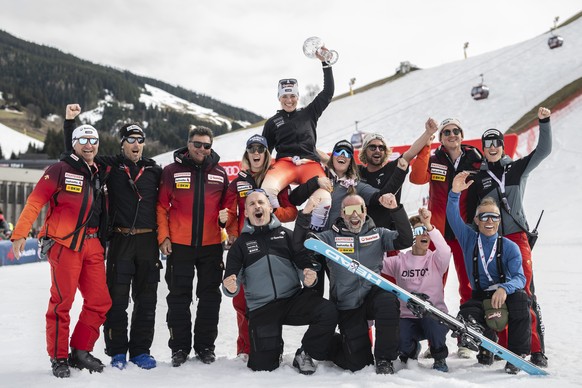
<point x="265" y="263"/>
<point x="347" y="290"/>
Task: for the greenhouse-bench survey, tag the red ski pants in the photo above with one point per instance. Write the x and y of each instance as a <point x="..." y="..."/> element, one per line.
<point x="243" y="342"/>
<point x="70" y="270"/>
<point x="537" y="329"/>
<point x="284" y="172"/>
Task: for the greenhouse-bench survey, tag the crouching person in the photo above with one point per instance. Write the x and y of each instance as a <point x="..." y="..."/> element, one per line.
<point x="262" y="259"/>
<point x="356" y="235"/>
<point x="494" y="268"/>
<point x="420" y="270"/>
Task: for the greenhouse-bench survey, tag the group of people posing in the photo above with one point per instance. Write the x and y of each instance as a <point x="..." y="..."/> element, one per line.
<point x="136" y="209"/>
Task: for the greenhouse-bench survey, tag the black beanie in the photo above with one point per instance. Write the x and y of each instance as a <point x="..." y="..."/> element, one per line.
<point x="131" y="129"/>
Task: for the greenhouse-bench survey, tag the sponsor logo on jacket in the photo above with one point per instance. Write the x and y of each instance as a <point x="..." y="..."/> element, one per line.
<point x="73" y="182"/>
<point x="438" y="172"/>
<point x="370" y="238"/>
<point x="182" y="180"/>
<point x="215" y="178"/>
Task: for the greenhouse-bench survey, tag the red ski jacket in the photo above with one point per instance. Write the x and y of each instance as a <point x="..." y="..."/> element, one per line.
<point x="190" y="197"/>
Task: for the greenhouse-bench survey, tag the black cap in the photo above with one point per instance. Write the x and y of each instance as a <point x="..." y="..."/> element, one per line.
<point x="344" y="145"/>
<point x="492" y="134"/>
<point x="131" y="129"/>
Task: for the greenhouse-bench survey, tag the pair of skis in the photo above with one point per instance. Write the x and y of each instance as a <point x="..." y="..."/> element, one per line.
<point x="469" y="333"/>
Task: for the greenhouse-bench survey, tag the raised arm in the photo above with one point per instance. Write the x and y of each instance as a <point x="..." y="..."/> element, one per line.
<point x="430" y="128"/>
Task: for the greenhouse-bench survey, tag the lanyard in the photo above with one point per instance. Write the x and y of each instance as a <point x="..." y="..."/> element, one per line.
<point x="133" y="182"/>
<point x="501" y="184"/>
<point x="482" y="257"/>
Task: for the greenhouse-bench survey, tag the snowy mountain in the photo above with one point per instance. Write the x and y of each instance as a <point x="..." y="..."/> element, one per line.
<point x="14" y="141"/>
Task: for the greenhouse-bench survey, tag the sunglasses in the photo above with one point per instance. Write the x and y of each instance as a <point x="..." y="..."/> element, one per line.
<point x="198" y="144"/>
<point x="419" y="230"/>
<point x="85" y="140"/>
<point x="350" y="209"/>
<point x="256" y="148"/>
<point x="489" y="216"/>
<point x="342" y="153"/>
<point x="456" y="131"/>
<point x="374" y="147"/>
<point x="492" y="143"/>
<point x="131" y="140"/>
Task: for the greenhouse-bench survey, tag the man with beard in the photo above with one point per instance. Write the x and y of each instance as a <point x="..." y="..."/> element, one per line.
<point x="377" y="171"/>
<point x="191" y="211"/>
<point x="262" y="259"/>
<point x="358" y="301"/>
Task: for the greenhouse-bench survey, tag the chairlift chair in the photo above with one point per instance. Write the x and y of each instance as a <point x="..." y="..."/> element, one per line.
<point x="555" y="41"/>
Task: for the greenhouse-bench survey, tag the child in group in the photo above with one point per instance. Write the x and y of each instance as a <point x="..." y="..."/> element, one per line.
<point x="420" y="271"/>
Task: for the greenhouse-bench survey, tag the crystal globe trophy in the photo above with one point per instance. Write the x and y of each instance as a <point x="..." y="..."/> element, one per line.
<point x="315" y="45"/>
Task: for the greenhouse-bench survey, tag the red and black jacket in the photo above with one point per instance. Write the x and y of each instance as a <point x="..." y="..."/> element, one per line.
<point x="190" y="197"/>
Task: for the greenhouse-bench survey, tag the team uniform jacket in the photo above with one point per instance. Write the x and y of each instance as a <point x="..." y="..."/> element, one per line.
<point x="70" y="187"/>
<point x="389" y="176"/>
<point x="294" y="134"/>
<point x="190" y="197"/>
<point x="516" y="174"/>
<point x="348" y="291"/>
<point x="263" y="260"/>
<point x="235" y="197"/>
<point x="122" y="197"/>
<point x="467" y="237"/>
<point x="421" y="274"/>
<point x="439" y="170"/>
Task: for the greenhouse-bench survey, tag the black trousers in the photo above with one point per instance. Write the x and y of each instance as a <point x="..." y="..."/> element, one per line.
<point x="180" y="270"/>
<point x="518" y="324"/>
<point x="353" y="349"/>
<point x="132" y="263"/>
<point x="305" y="308"/>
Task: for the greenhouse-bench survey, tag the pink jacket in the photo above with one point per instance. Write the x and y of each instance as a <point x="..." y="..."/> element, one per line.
<point x="422" y="274"/>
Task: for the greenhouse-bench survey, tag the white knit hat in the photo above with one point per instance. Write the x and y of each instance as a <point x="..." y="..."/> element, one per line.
<point x="84" y="130"/>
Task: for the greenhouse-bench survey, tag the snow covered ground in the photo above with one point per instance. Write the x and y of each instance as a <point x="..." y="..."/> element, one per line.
<point x="554" y="186"/>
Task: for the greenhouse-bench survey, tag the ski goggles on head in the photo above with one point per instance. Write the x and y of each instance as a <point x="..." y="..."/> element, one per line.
<point x="256" y="191"/>
<point x="256" y="148"/>
<point x="492" y="143"/>
<point x="350" y="209"/>
<point x="455" y="131"/>
<point x="495" y="217"/>
<point x="342" y="152"/>
<point x="85" y="140"/>
<point x="132" y="140"/>
<point x="419" y="230"/>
